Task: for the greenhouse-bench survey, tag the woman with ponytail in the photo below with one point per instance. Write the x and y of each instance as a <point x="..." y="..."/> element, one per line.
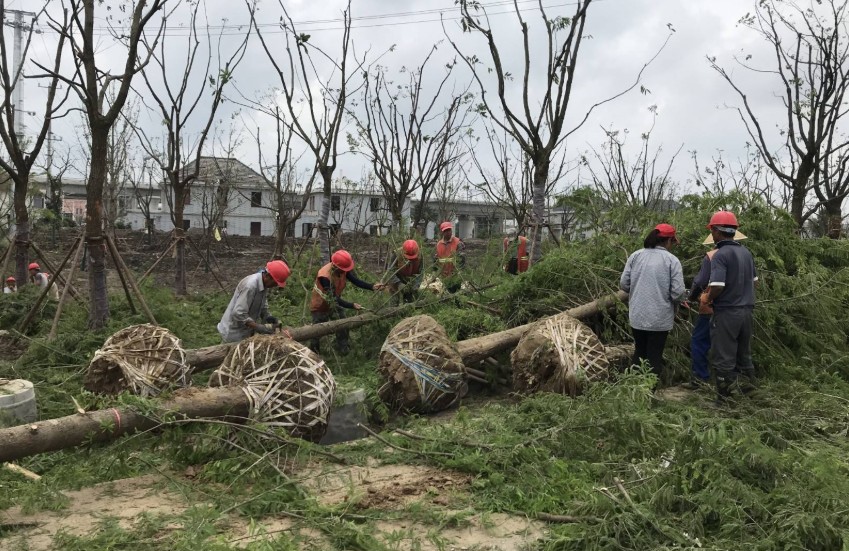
<point x="655" y="282"/>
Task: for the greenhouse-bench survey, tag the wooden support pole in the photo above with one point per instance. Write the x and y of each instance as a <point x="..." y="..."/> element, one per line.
<point x="43" y="258"/>
<point x="6" y="258"/>
<point x="50" y="282"/>
<point x="203" y="259"/>
<point x="65" y="292"/>
<point x="126" y="287"/>
<point x="158" y="260"/>
<point x="120" y="262"/>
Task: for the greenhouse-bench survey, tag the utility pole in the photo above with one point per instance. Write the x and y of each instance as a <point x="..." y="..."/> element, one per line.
<point x="18" y="91"/>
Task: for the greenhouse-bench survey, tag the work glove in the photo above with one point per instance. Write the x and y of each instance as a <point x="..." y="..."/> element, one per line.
<point x="263" y="330"/>
<point x="272" y="320"/>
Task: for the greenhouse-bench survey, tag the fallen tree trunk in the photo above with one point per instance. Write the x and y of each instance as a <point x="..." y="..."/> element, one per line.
<point x="109" y="424"/>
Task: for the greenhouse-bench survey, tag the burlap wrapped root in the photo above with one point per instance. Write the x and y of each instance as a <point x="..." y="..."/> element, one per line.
<point x="558" y="354"/>
<point x="422" y="368"/>
<point x="142" y="359"/>
<point x="288" y="385"/>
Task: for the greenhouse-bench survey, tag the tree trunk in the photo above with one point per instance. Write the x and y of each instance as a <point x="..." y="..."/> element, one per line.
<point x="179" y="233"/>
<point x="540" y="183"/>
<point x="22" y="236"/>
<point x="800" y="191"/>
<point x="280" y="243"/>
<point x="109" y="424"/>
<point x="323" y="227"/>
<point x="834" y="218"/>
<point x="97" y="290"/>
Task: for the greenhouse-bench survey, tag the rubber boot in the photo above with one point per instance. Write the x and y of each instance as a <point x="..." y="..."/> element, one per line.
<point x="723" y="390"/>
<point x="747" y="381"/>
<point x="696" y="384"/>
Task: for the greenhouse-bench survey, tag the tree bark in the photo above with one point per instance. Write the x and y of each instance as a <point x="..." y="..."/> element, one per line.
<point x="179" y="233"/>
<point x="540" y="182"/>
<point x="834" y="218"/>
<point x="323" y="227"/>
<point x="22" y="239"/>
<point x="97" y="290"/>
<point x="800" y="190"/>
<point x="109" y="424"/>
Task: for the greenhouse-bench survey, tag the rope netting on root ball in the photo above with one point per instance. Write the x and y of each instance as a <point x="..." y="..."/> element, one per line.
<point x="558" y="354"/>
<point x="422" y="368"/>
<point x="288" y="385"/>
<point x="142" y="359"/>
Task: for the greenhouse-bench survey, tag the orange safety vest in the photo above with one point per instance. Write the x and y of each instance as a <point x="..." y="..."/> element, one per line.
<point x="406" y="267"/>
<point x="321" y="302"/>
<point x="446" y="254"/>
<point x="522" y="255"/>
<point x="704" y="305"/>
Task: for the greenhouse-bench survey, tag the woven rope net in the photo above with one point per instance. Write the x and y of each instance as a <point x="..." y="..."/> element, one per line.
<point x="287" y="385"/>
<point x="422" y="369"/>
<point x="558" y="354"/>
<point x="142" y="359"/>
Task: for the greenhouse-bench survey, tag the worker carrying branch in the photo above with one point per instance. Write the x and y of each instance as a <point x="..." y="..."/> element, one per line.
<point x="406" y="270"/>
<point x="449" y="258"/>
<point x="731" y="294"/>
<point x="249" y="304"/>
<point x="516" y="251"/>
<point x="41" y="279"/>
<point x="326" y="299"/>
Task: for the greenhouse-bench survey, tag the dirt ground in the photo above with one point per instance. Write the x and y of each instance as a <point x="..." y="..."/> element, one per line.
<point x="374" y="487"/>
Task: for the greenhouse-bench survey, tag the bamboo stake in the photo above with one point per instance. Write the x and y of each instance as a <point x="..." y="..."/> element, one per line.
<point x="65" y="291"/>
<point x="6" y="258"/>
<point x="43" y="295"/>
<point x="158" y="260"/>
<point x="122" y="266"/>
<point x="123" y="282"/>
<point x="43" y="258"/>
<point x="20" y="470"/>
<point x="203" y="259"/>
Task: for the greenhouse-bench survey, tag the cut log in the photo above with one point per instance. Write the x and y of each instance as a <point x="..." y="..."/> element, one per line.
<point x="100" y="426"/>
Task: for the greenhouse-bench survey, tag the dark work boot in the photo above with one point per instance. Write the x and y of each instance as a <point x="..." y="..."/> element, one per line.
<point x="696" y="384"/>
<point x="747" y="381"/>
<point x="723" y="390"/>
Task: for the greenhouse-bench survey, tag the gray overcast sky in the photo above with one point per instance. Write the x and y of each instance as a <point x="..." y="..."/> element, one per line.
<point x="625" y="34"/>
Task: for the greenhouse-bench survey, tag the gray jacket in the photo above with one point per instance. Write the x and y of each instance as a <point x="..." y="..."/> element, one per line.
<point x="655" y="282"/>
<point x="249" y="303"/>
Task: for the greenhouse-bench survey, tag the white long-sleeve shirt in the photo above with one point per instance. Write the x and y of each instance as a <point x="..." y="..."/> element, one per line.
<point x="249" y="303"/>
<point x="42" y="280"/>
<point x="655" y="282"/>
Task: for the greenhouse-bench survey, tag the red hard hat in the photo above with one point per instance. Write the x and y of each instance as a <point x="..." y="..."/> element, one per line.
<point x="279" y="271"/>
<point x="34" y="266"/>
<point x="411" y="249"/>
<point x="666" y="230"/>
<point x="723" y="218"/>
<point x="342" y="260"/>
<point x="8" y="279"/>
<point x="445" y="226"/>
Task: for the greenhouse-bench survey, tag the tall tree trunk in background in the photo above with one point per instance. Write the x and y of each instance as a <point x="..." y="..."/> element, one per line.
<point x="22" y="231"/>
<point x="323" y="227"/>
<point x="282" y="226"/>
<point x="834" y="218"/>
<point x="180" y="234"/>
<point x="97" y="290"/>
<point x="800" y="189"/>
<point x="540" y="185"/>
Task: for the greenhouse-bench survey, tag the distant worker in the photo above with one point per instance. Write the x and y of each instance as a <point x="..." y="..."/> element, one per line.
<point x="406" y="270"/>
<point x="731" y="293"/>
<point x="42" y="280"/>
<point x="700" y="341"/>
<point x="655" y="281"/>
<point x="326" y="300"/>
<point x="249" y="304"/>
<point x="516" y="251"/>
<point x="449" y="257"/>
<point x="11" y="286"/>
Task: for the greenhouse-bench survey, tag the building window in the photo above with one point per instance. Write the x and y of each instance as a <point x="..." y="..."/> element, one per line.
<point x="188" y="200"/>
<point x="335" y="229"/>
<point x="374" y="204"/>
<point x="224" y="225"/>
<point x="38" y="201"/>
<point x="312" y="203"/>
<point x="335" y="203"/>
<point x="187" y="224"/>
<point x="256" y="199"/>
<point x="306" y="229"/>
<point x="256" y="229"/>
<point x="372" y="230"/>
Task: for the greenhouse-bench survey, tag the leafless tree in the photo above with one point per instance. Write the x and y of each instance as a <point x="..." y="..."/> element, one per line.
<point x="405" y="133"/>
<point x="143" y="179"/>
<point x="219" y="185"/>
<point x="538" y="134"/>
<point x="810" y="64"/>
<point x="317" y="119"/>
<point x="22" y="153"/>
<point x="55" y="166"/>
<point x="177" y="100"/>
<point x="91" y="83"/>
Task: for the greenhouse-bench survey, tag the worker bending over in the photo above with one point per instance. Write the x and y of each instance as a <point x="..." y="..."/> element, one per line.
<point x="406" y="269"/>
<point x="11" y="286"/>
<point x="449" y="257"/>
<point x="516" y="251"/>
<point x="42" y="280"/>
<point x="249" y="304"/>
<point x="731" y="294"/>
<point x="326" y="300"/>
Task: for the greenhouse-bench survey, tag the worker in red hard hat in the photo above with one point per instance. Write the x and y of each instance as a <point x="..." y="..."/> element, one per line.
<point x="731" y="295"/>
<point x="655" y="281"/>
<point x="326" y="300"/>
<point x="449" y="257"/>
<point x="42" y="280"/>
<point x="516" y="251"/>
<point x="406" y="270"/>
<point x="11" y="286"/>
<point x="249" y="305"/>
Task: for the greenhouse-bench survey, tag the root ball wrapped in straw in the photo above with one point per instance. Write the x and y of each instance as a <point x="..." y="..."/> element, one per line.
<point x="143" y="359"/>
<point x="558" y="354"/>
<point x="287" y="384"/>
<point x="422" y="369"/>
